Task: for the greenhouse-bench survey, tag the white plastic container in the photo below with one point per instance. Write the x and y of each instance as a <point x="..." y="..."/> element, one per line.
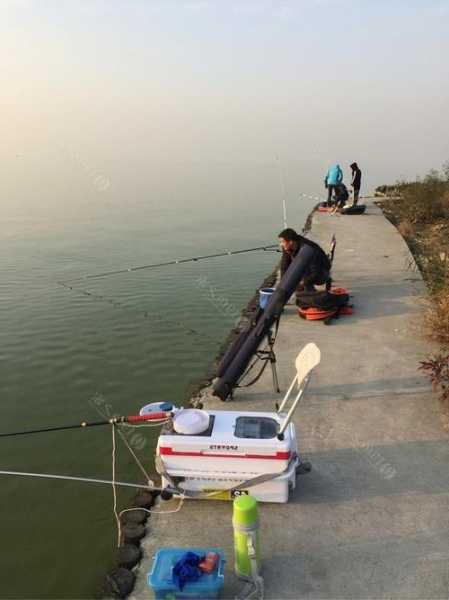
<point x="223" y="457"/>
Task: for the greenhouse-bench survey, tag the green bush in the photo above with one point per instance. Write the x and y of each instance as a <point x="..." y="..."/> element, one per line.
<point x="446" y="170"/>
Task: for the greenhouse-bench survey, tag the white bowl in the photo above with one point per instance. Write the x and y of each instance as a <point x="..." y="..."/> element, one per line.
<point x="191" y="421"/>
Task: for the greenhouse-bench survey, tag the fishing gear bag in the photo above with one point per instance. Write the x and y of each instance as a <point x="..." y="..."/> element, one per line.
<point x="358" y="209"/>
<point x="326" y="301"/>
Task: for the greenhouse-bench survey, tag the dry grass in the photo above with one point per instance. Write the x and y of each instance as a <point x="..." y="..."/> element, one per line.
<point x="406" y="229"/>
<point x="436" y="317"/>
<point x="421" y="214"/>
<point x="424" y="202"/>
<point x="432" y="249"/>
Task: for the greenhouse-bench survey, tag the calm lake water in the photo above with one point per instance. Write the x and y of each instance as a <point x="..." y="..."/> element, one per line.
<point x="141" y="337"/>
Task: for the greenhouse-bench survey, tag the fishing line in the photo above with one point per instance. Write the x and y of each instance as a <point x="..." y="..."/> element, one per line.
<point x="133" y="454"/>
<point x="157" y="318"/>
<point x="151" y="511"/>
<point x="114" y="491"/>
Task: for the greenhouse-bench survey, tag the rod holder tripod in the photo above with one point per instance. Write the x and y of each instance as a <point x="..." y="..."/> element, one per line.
<point x="265" y="356"/>
<point x="269" y="355"/>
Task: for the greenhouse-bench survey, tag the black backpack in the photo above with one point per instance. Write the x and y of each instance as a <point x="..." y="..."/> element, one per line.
<point x="323" y="300"/>
<point x="358" y="209"/>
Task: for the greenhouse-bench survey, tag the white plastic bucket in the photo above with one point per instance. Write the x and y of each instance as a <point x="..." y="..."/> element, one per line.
<point x="264" y="296"/>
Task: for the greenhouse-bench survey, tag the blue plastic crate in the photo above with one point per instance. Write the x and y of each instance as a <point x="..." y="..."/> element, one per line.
<point x="161" y="581"/>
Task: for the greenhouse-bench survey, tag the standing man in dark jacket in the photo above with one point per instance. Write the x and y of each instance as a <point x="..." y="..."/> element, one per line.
<point x="356" y="181"/>
<point x="318" y="270"/>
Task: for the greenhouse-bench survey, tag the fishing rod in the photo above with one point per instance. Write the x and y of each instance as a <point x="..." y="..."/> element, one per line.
<point x="266" y="248"/>
<point x="132" y="419"/>
<point x="167" y="263"/>
<point x="83" y="479"/>
<point x="283" y="192"/>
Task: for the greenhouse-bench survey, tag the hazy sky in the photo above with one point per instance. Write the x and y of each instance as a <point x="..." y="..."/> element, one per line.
<point x="127" y="88"/>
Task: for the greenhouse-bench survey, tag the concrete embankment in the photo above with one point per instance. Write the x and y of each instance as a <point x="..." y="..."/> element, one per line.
<point x="371" y="520"/>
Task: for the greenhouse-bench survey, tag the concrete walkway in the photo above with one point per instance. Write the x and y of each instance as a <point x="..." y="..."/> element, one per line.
<point x="372" y="518"/>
